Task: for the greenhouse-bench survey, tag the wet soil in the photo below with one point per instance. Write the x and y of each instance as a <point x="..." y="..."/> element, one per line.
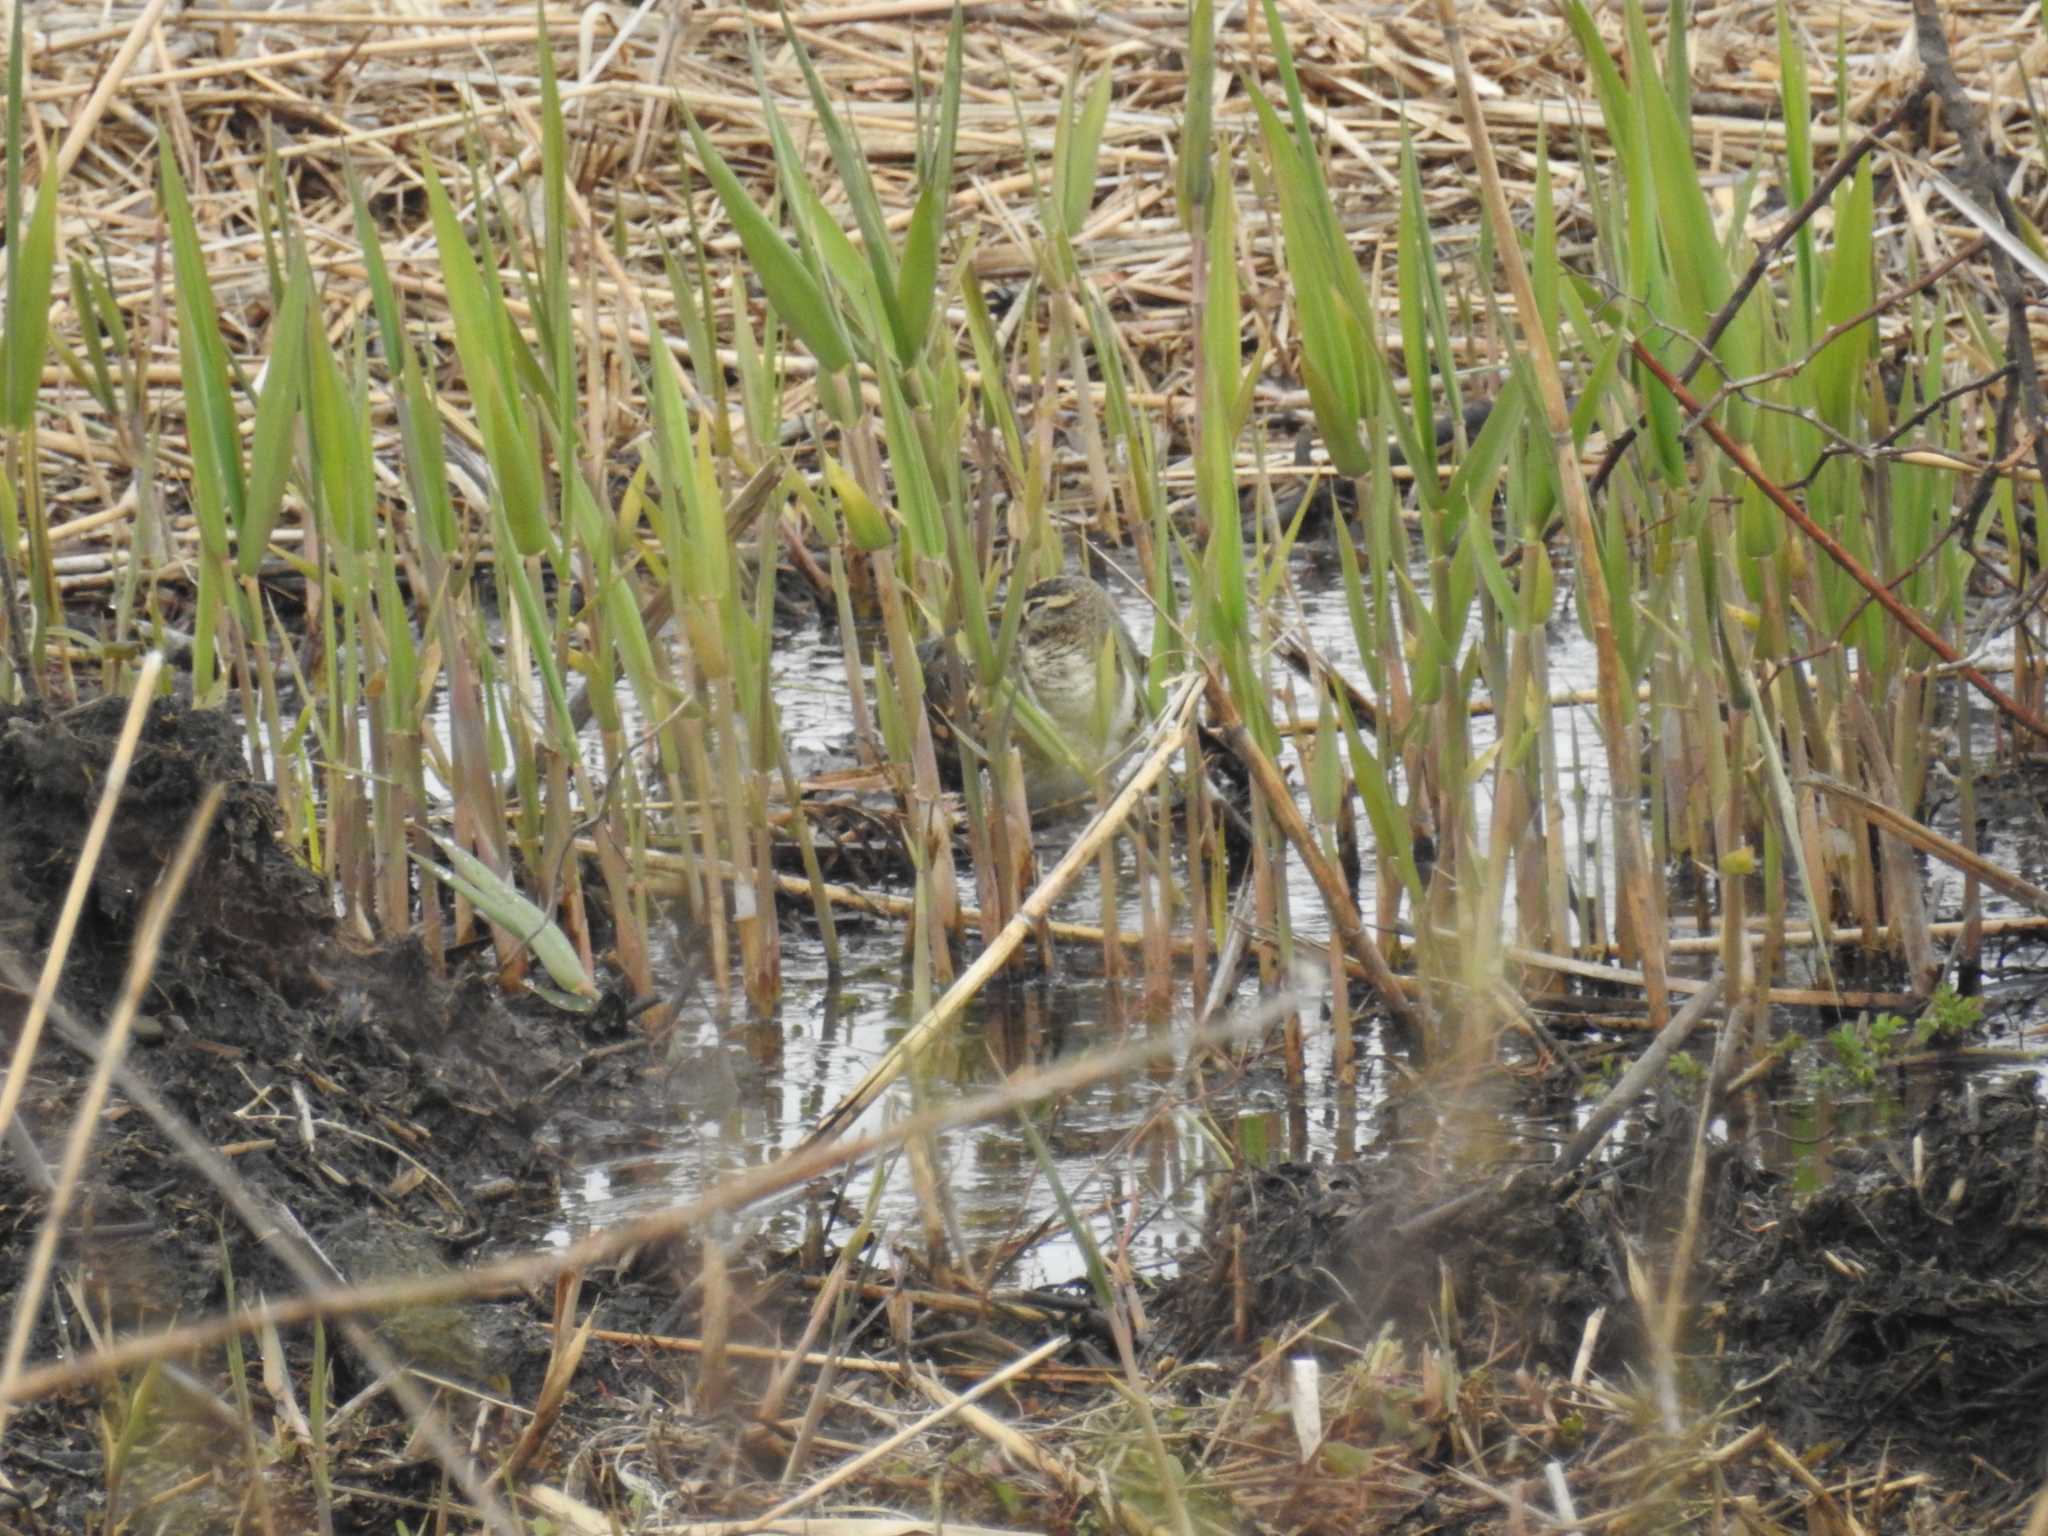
<point x="1900" y="1314"/>
<point x="387" y="1112"/>
<point x="1906" y="1305"/>
<point x="406" y="1120"/>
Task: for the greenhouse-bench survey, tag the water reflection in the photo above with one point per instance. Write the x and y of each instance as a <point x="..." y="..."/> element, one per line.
<point x="1132" y="1153"/>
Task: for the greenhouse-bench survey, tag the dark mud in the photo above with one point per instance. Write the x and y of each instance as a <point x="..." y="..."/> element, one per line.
<point x="1906" y="1305"/>
<point x="1373" y="1244"/>
<point x="1898" y="1314"/>
<point x="390" y="1114"/>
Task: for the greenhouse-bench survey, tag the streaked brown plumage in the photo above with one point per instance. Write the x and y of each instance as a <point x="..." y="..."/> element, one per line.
<point x="1070" y="638"/>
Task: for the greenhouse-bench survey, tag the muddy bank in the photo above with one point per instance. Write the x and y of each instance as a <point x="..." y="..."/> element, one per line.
<point x="1377" y="1243"/>
<point x="1907" y="1303"/>
<point x="1898" y="1315"/>
<point x="390" y="1115"/>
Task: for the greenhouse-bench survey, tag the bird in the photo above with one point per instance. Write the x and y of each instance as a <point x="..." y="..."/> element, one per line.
<point x="1071" y="640"/>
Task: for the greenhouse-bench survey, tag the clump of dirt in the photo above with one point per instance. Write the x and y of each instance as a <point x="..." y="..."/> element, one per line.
<point x="1375" y="1243"/>
<point x="53" y="765"/>
<point x="1907" y="1303"/>
<point x="385" y="1112"/>
<point x="1902" y="1311"/>
<point x="257" y="971"/>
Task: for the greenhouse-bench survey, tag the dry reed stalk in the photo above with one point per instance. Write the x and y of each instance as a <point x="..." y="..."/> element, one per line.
<point x="1166" y="740"/>
<point x="950" y="1406"/>
<point x="1636" y="1081"/>
<point x="1917" y="835"/>
<point x="1052" y="1375"/>
<point x="1614" y="975"/>
<point x="567" y="1341"/>
<point x="1025" y="1451"/>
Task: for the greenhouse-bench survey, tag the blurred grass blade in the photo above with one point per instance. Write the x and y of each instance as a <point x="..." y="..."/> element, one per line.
<point x="1077" y="150"/>
<point x="31" y="258"/>
<point x="504" y="904"/>
<point x="1193" y="180"/>
<point x="426" y="460"/>
<point x="1797" y="98"/>
<point x="30" y="273"/>
<point x="917" y="279"/>
<point x="218" y="490"/>
<point x="1849" y="291"/>
<point x="852" y="165"/>
<point x="488" y="365"/>
<point x="1329" y="362"/>
<point x="338" y="427"/>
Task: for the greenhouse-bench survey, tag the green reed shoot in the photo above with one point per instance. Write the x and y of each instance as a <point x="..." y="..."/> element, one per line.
<point x="24" y="341"/>
<point x="1762" y="662"/>
<point x="219" y="477"/>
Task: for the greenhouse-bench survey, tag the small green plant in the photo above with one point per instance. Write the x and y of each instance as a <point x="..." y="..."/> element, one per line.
<point x="1948" y="1016"/>
<point x="1862" y="1048"/>
<point x="1601" y="1076"/>
<point x="1865" y="1046"/>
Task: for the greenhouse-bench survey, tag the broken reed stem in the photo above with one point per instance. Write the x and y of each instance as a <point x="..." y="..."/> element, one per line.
<point x="1696" y="1176"/>
<point x="1025" y="1452"/>
<point x="1930" y="842"/>
<point x="103" y="94"/>
<point x="1614" y="976"/>
<point x="1645" y="1070"/>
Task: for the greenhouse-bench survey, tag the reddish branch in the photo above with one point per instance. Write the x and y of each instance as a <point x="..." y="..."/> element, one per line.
<point x="2011" y="707"/>
<point x="1766" y="253"/>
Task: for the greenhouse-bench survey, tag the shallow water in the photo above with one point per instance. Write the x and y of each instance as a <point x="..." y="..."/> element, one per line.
<point x="1129" y="1152"/>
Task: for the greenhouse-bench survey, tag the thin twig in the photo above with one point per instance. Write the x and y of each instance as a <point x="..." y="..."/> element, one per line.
<point x="2011" y="707"/>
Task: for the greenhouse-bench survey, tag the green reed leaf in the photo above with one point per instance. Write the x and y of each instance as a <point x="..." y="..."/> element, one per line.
<point x="30" y="275"/>
<point x="1076" y="161"/>
<point x="338" y="427"/>
<point x="507" y="906"/>
<point x="218" y="490"/>
<point x="1849" y="290"/>
<point x="851" y="162"/>
<point x="798" y="296"/>
<point x="489" y="364"/>
<point x="1390" y="829"/>
<point x="1193" y="180"/>
<point x="277" y="413"/>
